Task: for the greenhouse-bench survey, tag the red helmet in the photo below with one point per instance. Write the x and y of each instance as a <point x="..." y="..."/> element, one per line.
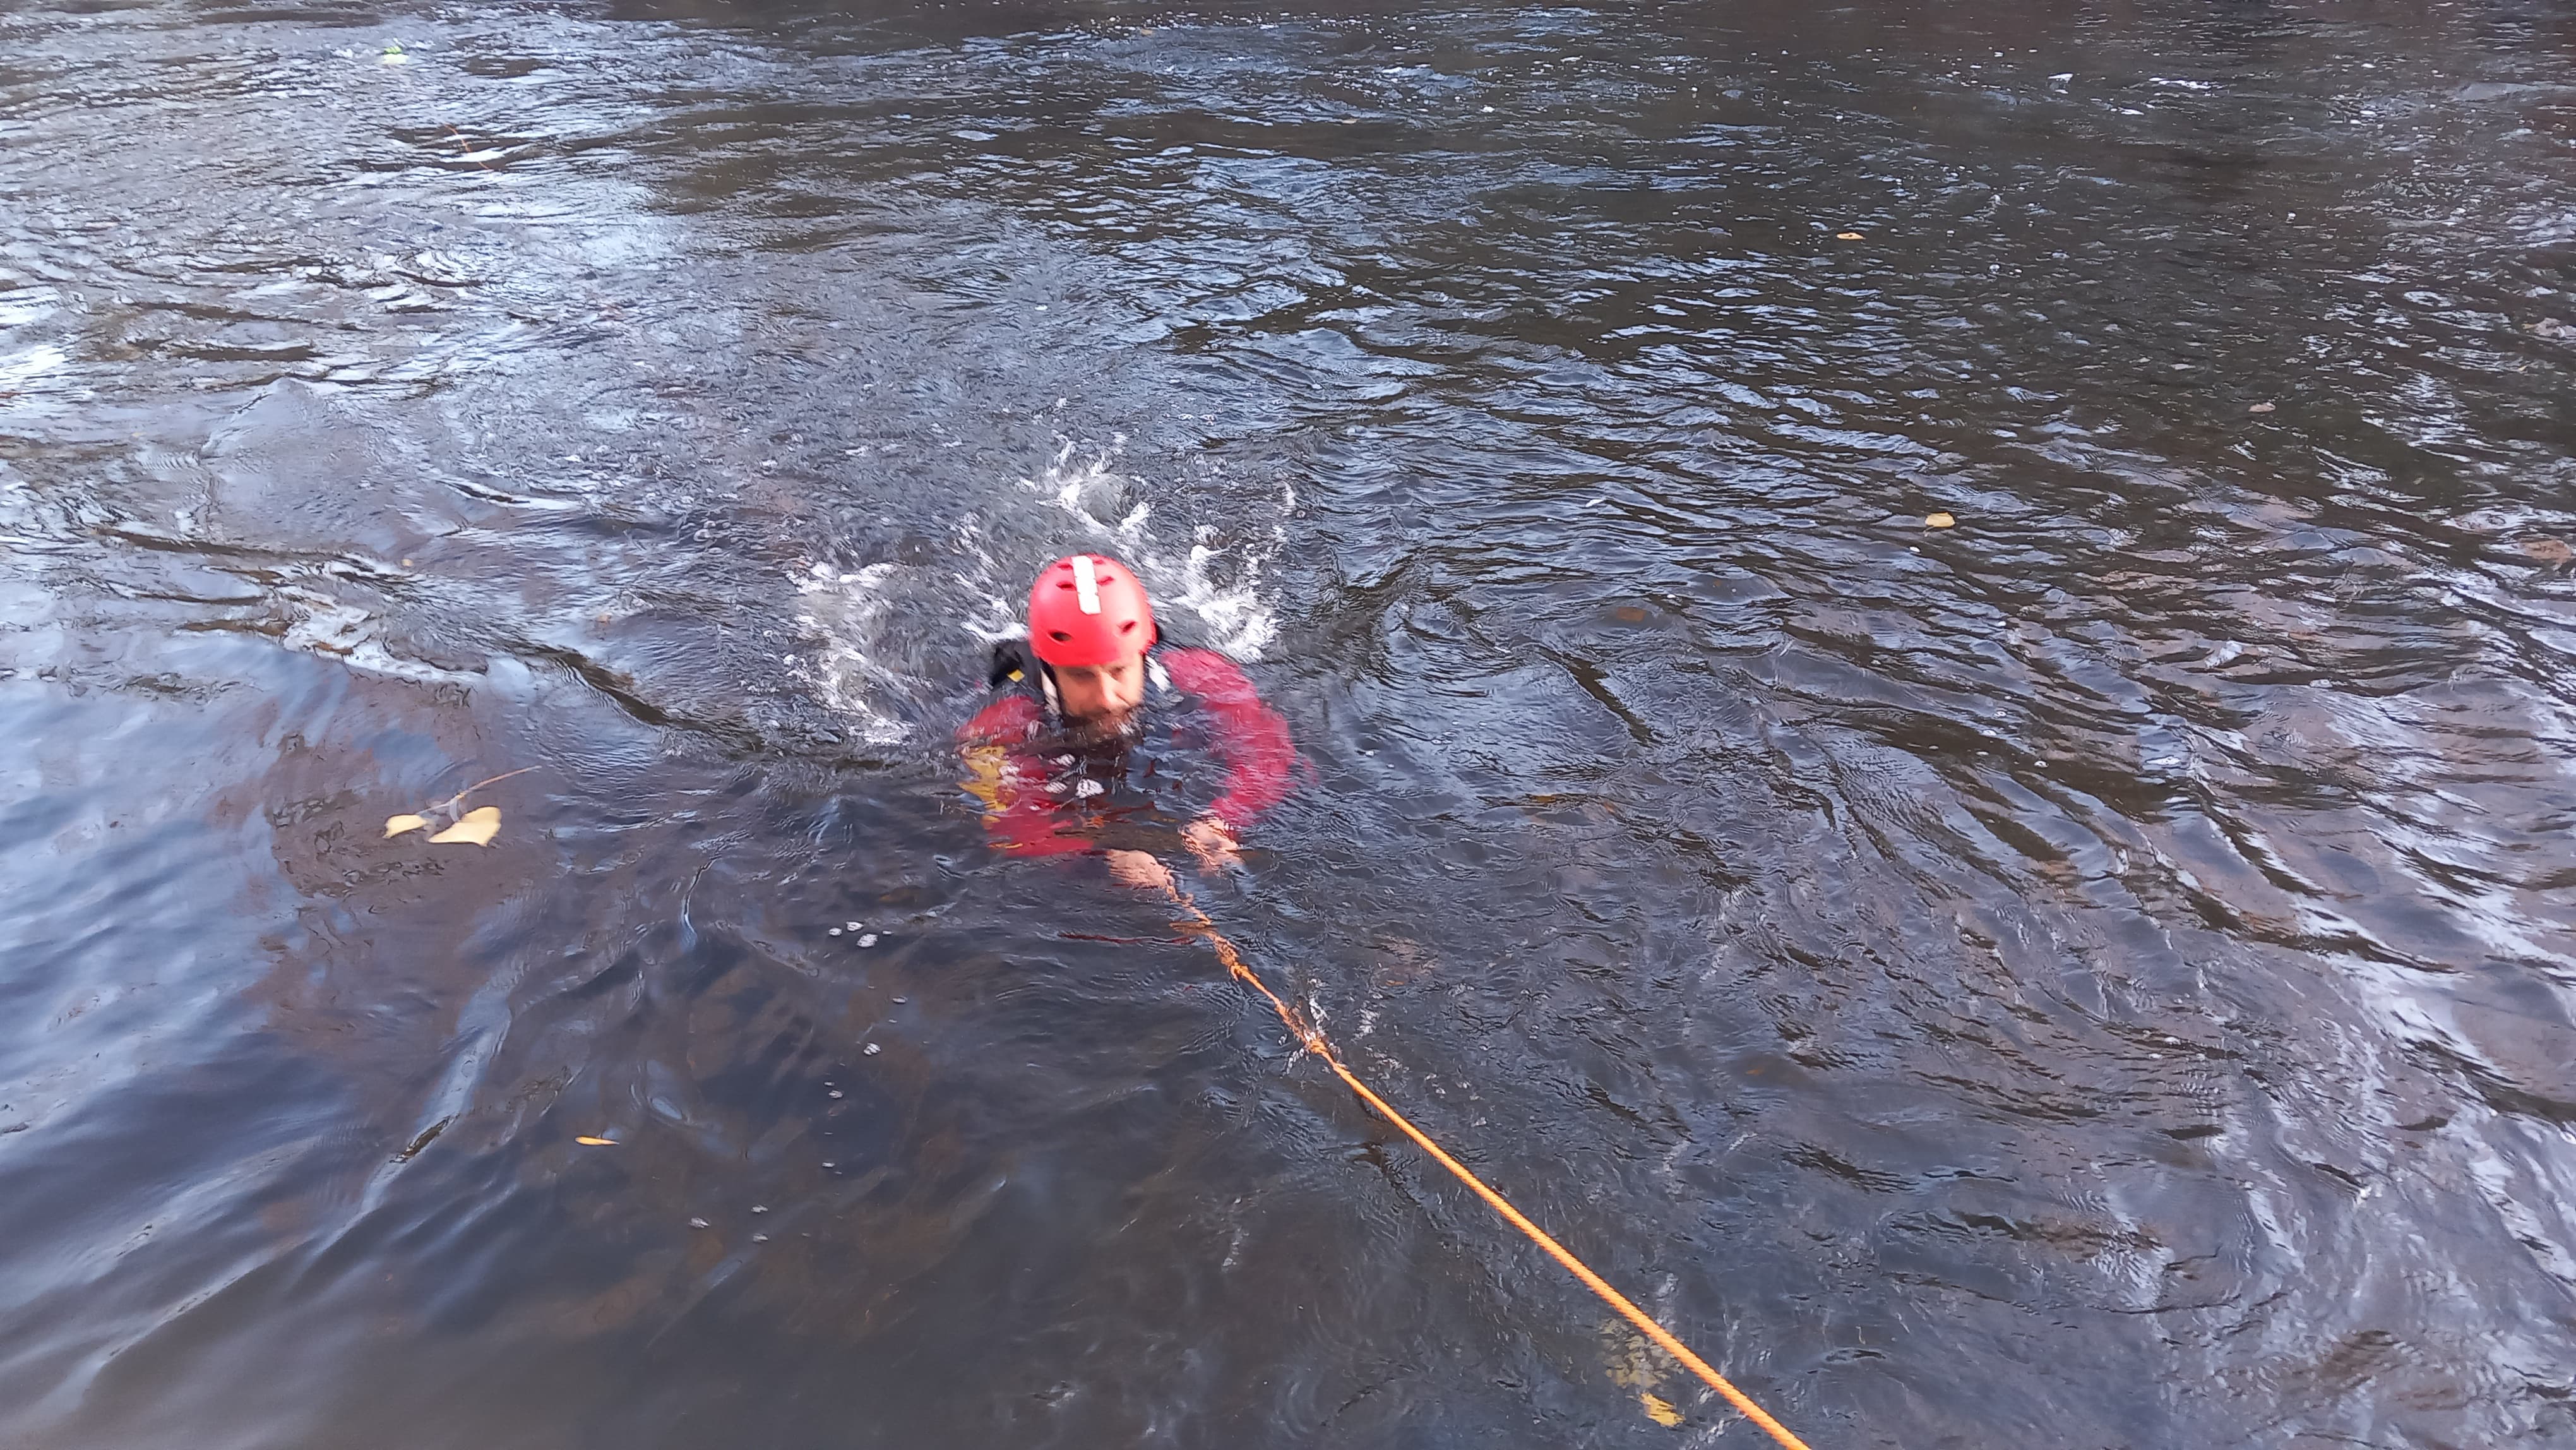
<point x="1089" y="610"/>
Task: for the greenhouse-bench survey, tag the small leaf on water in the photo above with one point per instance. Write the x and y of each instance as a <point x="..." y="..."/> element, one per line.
<point x="1847" y="236"/>
<point x="1660" y="1410"/>
<point x="2549" y="551"/>
<point x="1938" y="520"/>
<point x="2260" y="408"/>
<point x="596" y="1142"/>
<point x="478" y="828"/>
<point x="396" y="825"/>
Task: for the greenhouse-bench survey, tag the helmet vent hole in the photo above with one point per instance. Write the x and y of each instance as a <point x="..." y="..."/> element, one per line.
<point x="1059" y="636"/>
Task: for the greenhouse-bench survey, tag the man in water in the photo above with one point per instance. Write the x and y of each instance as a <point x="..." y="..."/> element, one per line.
<point x="1053" y="759"/>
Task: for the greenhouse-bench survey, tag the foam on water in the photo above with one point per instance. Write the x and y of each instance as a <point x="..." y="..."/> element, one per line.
<point x="887" y="639"/>
<point x="1216" y="592"/>
<point x="843" y="614"/>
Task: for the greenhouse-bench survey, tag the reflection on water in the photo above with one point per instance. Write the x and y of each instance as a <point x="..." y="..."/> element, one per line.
<point x="2093" y="975"/>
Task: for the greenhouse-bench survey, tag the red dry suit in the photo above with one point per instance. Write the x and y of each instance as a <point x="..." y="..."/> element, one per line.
<point x="1038" y="797"/>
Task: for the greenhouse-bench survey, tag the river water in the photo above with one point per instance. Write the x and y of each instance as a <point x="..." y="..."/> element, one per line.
<point x="2095" y="975"/>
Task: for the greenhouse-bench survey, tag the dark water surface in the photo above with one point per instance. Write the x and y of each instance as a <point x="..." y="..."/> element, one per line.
<point x="2095" y="976"/>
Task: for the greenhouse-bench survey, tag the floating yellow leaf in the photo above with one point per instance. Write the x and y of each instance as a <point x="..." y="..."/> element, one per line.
<point x="1937" y="520"/>
<point x="596" y="1142"/>
<point x="396" y="825"/>
<point x="1840" y="237"/>
<point x="1660" y="1410"/>
<point x="477" y="828"/>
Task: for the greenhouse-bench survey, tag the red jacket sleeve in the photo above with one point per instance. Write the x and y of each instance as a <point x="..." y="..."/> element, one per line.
<point x="1252" y="737"/>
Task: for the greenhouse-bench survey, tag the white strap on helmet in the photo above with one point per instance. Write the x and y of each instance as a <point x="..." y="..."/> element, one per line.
<point x="1086" y="584"/>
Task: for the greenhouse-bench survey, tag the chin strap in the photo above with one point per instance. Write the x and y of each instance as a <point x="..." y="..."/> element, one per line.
<point x="1014" y="663"/>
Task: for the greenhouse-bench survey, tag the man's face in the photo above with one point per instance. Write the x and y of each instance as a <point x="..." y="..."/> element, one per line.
<point x="1101" y="694"/>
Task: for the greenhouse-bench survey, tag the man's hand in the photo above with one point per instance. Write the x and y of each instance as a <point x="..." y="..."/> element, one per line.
<point x="1209" y="842"/>
<point x="1140" y="870"/>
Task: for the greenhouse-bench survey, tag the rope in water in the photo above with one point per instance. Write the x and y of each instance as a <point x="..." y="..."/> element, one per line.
<point x="1199" y="926"/>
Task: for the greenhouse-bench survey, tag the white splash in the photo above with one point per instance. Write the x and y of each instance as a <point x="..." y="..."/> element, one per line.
<point x="867" y="659"/>
<point x="1232" y="617"/>
<point x="846" y="616"/>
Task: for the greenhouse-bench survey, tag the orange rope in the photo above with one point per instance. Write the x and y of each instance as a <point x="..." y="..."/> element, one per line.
<point x="1199" y="926"/>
